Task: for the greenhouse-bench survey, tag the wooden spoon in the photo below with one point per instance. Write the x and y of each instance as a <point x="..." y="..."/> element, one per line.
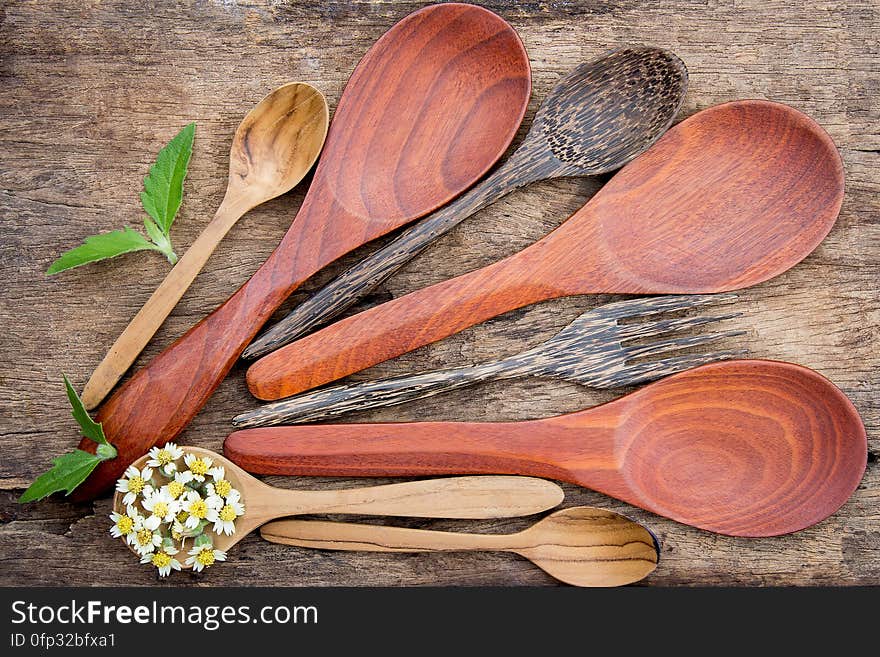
<point x="274" y="147"/>
<point x="746" y="448"/>
<point x="732" y="196"/>
<point x="580" y="545"/>
<point x="432" y="105"/>
<point x="595" y="120"/>
<point x="452" y="497"/>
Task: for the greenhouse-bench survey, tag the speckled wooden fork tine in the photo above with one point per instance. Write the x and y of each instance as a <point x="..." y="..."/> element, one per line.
<point x="588" y="351"/>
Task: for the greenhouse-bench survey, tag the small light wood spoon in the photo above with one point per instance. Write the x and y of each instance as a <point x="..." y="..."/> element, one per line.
<point x="742" y="447"/>
<point x="477" y="497"/>
<point x="273" y="149"/>
<point x="582" y="546"/>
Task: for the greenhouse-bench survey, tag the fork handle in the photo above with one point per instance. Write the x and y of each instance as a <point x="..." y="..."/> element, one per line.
<point x="338" y="400"/>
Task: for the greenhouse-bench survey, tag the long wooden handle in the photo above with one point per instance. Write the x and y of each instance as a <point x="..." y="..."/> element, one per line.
<point x="363" y="277"/>
<point x="153" y="313"/>
<point x="397" y="327"/>
<point x="450" y="497"/>
<point x="326" y="535"/>
<point x="157" y="403"/>
<point x="339" y="400"/>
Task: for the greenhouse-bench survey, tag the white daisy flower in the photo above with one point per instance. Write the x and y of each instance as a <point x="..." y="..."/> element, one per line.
<point x="177" y="486"/>
<point x="221" y="485"/>
<point x="197" y="508"/>
<point x="124" y="524"/>
<point x="163" y="560"/>
<point x="202" y="556"/>
<point x="161" y="505"/>
<point x="198" y="466"/>
<point x="224" y="517"/>
<point x="164" y="458"/>
<point x="133" y="483"/>
<point x="145" y="540"/>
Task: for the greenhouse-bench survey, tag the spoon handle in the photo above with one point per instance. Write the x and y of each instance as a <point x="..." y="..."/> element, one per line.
<point x="528" y="164"/>
<point x="448" y="497"/>
<point x="339" y="400"/>
<point x="153" y="313"/>
<point x="326" y="535"/>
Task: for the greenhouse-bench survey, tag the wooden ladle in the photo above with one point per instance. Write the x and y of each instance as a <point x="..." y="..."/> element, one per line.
<point x="432" y="105"/>
<point x="580" y="545"/>
<point x="595" y="120"/>
<point x="743" y="447"/>
<point x="273" y="149"/>
<point x="730" y="197"/>
<point x="451" y="497"/>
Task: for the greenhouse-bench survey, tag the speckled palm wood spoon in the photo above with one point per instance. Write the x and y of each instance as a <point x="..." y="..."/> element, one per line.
<point x="595" y="120"/>
<point x="581" y="545"/>
<point x="432" y="105"/>
<point x="451" y="497"/>
<point x="742" y="447"/>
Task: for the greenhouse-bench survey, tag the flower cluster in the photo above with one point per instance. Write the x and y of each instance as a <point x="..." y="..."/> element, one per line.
<point x="172" y="500"/>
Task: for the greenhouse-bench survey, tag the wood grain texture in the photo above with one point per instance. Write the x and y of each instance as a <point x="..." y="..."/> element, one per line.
<point x="743" y="447"/>
<point x="450" y="497"/>
<point x="582" y="546"/>
<point x="728" y="198"/>
<point x="596" y="119"/>
<point x="431" y="106"/>
<point x="594" y="350"/>
<point x="93" y="90"/>
<point x="273" y="149"/>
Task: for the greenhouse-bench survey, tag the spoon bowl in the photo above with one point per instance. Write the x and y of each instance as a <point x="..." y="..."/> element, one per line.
<point x="453" y="497"/>
<point x="582" y="546"/>
<point x="274" y="147"/>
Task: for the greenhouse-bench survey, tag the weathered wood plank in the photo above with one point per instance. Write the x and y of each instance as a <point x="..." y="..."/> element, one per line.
<point x="92" y="90"/>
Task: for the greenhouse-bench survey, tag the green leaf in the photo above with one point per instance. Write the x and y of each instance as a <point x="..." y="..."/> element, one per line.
<point x="163" y="186"/>
<point x="68" y="472"/>
<point x="90" y="428"/>
<point x="160" y="240"/>
<point x="100" y="247"/>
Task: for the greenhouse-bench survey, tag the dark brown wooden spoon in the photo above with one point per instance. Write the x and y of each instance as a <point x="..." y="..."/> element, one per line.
<point x="746" y="448"/>
<point x="730" y="197"/>
<point x="433" y="104"/>
<point x="596" y="119"/>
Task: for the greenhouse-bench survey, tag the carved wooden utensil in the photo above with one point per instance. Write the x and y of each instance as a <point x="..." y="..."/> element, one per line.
<point x="582" y="546"/>
<point x="595" y="120"/>
<point x="593" y="350"/>
<point x="431" y="106"/>
<point x="274" y="147"/>
<point x="732" y="196"/>
<point x="451" y="497"/>
<point x="744" y="447"/>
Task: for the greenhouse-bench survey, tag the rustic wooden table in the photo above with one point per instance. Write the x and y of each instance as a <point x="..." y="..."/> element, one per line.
<point x="90" y="92"/>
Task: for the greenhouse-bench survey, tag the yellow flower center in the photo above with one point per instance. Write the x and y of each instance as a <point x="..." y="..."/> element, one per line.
<point x="160" y="509"/>
<point x="222" y="487"/>
<point x="136" y="484"/>
<point x="161" y="560"/>
<point x="198" y="509"/>
<point x="205" y="556"/>
<point x="144" y="537"/>
<point x="199" y="467"/>
<point x="175" y="489"/>
<point x="227" y="513"/>
<point x="125" y="525"/>
<point x="176" y="535"/>
<point x="182" y="516"/>
<point x="164" y="457"/>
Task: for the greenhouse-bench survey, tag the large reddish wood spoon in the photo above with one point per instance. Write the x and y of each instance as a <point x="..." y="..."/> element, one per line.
<point x="745" y="448"/>
<point x="732" y="196"/>
<point x="431" y="106"/>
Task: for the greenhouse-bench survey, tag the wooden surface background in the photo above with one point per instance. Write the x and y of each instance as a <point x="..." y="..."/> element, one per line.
<point x="91" y="90"/>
